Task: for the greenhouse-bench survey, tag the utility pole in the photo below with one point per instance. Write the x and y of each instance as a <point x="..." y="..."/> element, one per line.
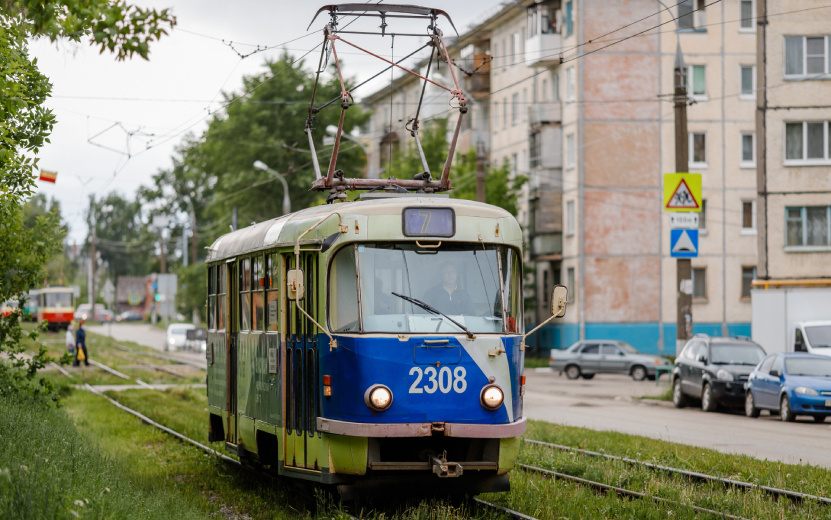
<point x="184" y="246"/>
<point x="193" y="239"/>
<point x="91" y="283"/>
<point x="480" y="171"/>
<point x="161" y="248"/>
<point x="684" y="323"/>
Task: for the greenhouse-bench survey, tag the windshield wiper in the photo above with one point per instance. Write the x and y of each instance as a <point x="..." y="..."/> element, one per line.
<point x="435" y="311"/>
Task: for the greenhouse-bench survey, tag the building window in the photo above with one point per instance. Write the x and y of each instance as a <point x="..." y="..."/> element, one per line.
<point x="691" y="15"/>
<point x="748" y="82"/>
<point x="534" y="150"/>
<point x="514" y="47"/>
<point x="514" y="164"/>
<point x="515" y="109"/>
<point x="747" y="21"/>
<point x="702" y="217"/>
<point x="698" y="150"/>
<point x="570" y="151"/>
<point x="699" y="282"/>
<point x="569" y="21"/>
<point x="570" y="218"/>
<point x="572" y="290"/>
<point x="748" y="217"/>
<point x="505" y="113"/>
<point x="806" y="142"/>
<point x="748" y="159"/>
<point x="748" y="275"/>
<point x="697" y="81"/>
<point x="569" y="84"/>
<point x="524" y="106"/>
<point x="807" y="56"/>
<point x="808" y="227"/>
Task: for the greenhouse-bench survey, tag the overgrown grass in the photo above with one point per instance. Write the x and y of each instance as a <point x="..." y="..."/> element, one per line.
<point x="666" y="395"/>
<point x="535" y="362"/>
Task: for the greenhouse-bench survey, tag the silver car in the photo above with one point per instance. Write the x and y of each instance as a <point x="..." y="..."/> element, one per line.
<point x="589" y="357"/>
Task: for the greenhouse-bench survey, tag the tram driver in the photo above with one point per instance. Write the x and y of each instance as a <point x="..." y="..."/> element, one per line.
<point x="448" y="296"/>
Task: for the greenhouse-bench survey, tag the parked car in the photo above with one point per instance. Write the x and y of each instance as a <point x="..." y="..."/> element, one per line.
<point x="589" y="357"/>
<point x="197" y="339"/>
<point x="792" y="384"/>
<point x="813" y="337"/>
<point x="84" y="312"/>
<point x="129" y="316"/>
<point x="176" y="335"/>
<point x="714" y="370"/>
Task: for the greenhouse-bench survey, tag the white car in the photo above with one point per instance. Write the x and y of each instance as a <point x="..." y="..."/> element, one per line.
<point x="176" y="335"/>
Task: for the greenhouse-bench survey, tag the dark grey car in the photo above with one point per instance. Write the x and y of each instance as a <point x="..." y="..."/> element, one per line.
<point x="589" y="357"/>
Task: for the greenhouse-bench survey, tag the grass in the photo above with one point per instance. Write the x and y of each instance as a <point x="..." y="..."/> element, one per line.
<point x="535" y="362"/>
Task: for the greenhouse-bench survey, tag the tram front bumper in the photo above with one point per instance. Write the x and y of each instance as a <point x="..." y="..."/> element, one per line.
<point x="445" y="429"/>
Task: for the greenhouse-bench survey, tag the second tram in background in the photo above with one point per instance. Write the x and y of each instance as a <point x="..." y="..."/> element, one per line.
<point x="56" y="305"/>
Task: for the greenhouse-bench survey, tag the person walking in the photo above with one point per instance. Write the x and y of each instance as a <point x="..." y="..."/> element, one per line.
<point x="70" y="340"/>
<point x="81" y="345"/>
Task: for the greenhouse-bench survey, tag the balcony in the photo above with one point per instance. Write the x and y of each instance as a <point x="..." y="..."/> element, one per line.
<point x="545" y="113"/>
<point x="477" y="75"/>
<point x="543" y="50"/>
<point x="546" y="223"/>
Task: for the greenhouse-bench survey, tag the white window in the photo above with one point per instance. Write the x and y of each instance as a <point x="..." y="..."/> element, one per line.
<point x="747" y="18"/>
<point x="515" y="109"/>
<point x="697" y="82"/>
<point x="748" y="159"/>
<point x="748" y="217"/>
<point x="514" y="47"/>
<point x="570" y="218"/>
<point x="747" y="78"/>
<point x="698" y="150"/>
<point x="807" y="227"/>
<point x="692" y="15"/>
<point x="806" y="143"/>
<point x="570" y="84"/>
<point x="505" y="113"/>
<point x="748" y="275"/>
<point x="570" y="150"/>
<point x="699" y="282"/>
<point x="807" y="56"/>
<point x="514" y="164"/>
<point x="572" y="288"/>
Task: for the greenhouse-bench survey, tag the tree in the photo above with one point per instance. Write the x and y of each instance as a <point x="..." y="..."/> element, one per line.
<point x="25" y="125"/>
<point x="60" y="269"/>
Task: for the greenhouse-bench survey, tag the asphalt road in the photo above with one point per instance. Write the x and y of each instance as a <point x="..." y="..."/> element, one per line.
<point x="611" y="402"/>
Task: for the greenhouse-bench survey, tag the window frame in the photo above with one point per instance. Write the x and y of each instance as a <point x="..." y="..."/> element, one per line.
<point x="571" y="86"/>
<point x="752" y="27"/>
<point x="570" y="217"/>
<point x="742" y="162"/>
<point x="745" y="269"/>
<point x="571" y="151"/>
<point x="804" y="74"/>
<point x="752" y="95"/>
<point x="703" y="270"/>
<point x="515" y="109"/>
<point x="693" y="164"/>
<point x="749" y="230"/>
<point x="804" y="160"/>
<point x="804" y="247"/>
<point x="697" y="14"/>
<point x="571" y="280"/>
<point x="691" y="80"/>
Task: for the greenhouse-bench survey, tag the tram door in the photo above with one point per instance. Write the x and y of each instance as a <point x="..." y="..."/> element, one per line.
<point x="232" y="328"/>
<point x="302" y="405"/>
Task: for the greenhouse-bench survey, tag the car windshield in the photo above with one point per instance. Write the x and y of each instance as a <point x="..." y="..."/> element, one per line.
<point x="179" y="331"/>
<point x="407" y="288"/>
<point x="626" y="347"/>
<point x="737" y="354"/>
<point x="808" y="367"/>
<point x="819" y="336"/>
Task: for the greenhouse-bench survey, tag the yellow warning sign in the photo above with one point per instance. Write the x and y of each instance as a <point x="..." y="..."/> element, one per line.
<point x="682" y="192"/>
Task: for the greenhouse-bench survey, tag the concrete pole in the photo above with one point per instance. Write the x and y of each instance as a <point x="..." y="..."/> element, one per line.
<point x="91" y="285"/>
<point x="480" y="171"/>
<point x="684" y="321"/>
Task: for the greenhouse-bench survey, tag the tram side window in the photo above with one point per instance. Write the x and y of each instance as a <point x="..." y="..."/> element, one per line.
<point x="222" y="291"/>
<point x="512" y="280"/>
<point x="212" y="298"/>
<point x="343" y="304"/>
<point x="245" y="294"/>
<point x="272" y="283"/>
<point x="257" y="288"/>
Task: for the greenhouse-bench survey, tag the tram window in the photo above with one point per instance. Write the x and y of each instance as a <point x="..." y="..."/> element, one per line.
<point x="257" y="290"/>
<point x="222" y="284"/>
<point x="512" y="281"/>
<point x="245" y="294"/>
<point x="212" y="298"/>
<point x="343" y="303"/>
<point x="272" y="293"/>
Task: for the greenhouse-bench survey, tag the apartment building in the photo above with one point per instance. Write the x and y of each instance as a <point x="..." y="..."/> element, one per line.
<point x="793" y="165"/>
<point x="592" y="127"/>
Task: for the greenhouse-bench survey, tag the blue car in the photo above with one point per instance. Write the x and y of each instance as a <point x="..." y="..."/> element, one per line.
<point x="792" y="384"/>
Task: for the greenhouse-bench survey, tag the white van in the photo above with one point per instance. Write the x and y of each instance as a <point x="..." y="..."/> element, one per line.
<point x="813" y="337"/>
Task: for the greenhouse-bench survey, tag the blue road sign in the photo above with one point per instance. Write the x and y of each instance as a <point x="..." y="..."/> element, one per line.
<point x="683" y="243"/>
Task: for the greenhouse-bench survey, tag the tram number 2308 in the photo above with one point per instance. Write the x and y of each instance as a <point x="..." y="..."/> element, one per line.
<point x="443" y="380"/>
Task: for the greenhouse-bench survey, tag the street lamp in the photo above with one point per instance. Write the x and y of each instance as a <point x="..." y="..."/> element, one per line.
<point x="333" y="130"/>
<point x="286" y="200"/>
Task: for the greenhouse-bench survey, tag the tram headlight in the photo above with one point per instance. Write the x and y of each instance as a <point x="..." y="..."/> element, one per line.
<point x="491" y="397"/>
<point x="378" y="397"/>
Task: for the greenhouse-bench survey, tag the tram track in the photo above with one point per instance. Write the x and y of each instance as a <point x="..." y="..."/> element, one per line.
<point x="794" y="496"/>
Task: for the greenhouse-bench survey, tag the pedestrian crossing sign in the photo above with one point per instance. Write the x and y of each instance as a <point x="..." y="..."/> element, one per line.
<point x="682" y="192"/>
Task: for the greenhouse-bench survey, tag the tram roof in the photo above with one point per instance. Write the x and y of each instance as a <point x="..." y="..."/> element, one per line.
<point x="284" y="230"/>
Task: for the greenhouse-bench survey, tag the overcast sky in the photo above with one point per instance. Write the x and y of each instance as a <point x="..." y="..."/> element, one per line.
<point x="119" y="122"/>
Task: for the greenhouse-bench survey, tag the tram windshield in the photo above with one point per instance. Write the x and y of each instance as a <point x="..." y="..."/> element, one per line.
<point x="406" y="288"/>
<point x="58" y="299"/>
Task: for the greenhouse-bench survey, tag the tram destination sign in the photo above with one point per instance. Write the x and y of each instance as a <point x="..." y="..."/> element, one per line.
<point x="429" y="222"/>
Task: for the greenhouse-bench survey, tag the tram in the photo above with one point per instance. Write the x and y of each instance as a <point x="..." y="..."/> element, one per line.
<point x="56" y="306"/>
<point x="377" y="344"/>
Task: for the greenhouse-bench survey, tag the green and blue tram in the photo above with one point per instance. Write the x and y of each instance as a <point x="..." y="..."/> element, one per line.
<point x="333" y="355"/>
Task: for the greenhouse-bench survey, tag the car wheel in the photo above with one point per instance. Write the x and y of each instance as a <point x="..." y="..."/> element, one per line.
<point x="820" y="418"/>
<point x="638" y="373"/>
<point x="678" y="397"/>
<point x="588" y="376"/>
<point x="708" y="404"/>
<point x="785" y="412"/>
<point x="750" y="409"/>
<point x="572" y="371"/>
